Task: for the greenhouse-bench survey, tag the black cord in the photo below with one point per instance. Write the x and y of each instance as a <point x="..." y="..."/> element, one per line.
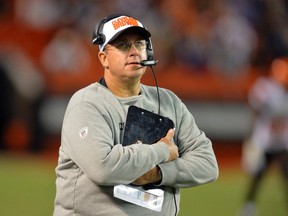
<point x="158" y="95"/>
<point x="157" y="88"/>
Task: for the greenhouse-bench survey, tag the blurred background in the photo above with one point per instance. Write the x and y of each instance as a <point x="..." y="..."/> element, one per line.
<point x="210" y="53"/>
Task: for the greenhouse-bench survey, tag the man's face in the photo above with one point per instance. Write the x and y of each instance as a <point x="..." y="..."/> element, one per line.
<point x="124" y="54"/>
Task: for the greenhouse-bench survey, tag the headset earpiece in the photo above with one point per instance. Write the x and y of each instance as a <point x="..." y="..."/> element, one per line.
<point x="97" y="37"/>
<point x="150" y="54"/>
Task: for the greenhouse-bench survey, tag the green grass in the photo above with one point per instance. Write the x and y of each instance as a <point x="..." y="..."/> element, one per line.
<point x="225" y="196"/>
<point x="27" y="188"/>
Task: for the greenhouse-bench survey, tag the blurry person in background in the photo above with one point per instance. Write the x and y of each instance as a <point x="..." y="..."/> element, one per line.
<point x="268" y="142"/>
<point x="26" y="85"/>
<point x="96" y="174"/>
<point x="231" y="43"/>
<point x="6" y="94"/>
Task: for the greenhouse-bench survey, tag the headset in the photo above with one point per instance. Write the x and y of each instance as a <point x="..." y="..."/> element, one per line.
<point x="99" y="38"/>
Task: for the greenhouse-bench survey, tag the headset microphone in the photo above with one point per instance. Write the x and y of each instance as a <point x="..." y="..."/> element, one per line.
<point x="148" y="62"/>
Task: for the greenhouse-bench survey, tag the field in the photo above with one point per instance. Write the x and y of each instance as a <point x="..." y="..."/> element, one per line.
<point x="27" y="189"/>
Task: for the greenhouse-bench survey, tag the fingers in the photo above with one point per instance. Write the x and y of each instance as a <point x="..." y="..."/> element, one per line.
<point x="151" y="176"/>
<point x="170" y="134"/>
<point x="168" y="140"/>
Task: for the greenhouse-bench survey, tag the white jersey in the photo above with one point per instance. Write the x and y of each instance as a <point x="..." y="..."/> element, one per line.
<point x="270" y="101"/>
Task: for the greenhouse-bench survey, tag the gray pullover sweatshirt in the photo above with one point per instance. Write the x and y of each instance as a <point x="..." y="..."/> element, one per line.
<point x="92" y="160"/>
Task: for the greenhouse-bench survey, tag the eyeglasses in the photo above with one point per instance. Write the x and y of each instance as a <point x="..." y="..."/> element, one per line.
<point x="126" y="46"/>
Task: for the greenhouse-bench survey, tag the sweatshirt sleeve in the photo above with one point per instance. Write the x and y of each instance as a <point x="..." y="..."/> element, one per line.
<point x="197" y="162"/>
<point x="88" y="138"/>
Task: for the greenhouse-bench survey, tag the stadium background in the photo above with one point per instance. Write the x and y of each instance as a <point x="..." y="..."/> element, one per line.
<point x="209" y="52"/>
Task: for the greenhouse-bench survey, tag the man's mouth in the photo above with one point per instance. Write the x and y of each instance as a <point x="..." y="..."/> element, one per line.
<point x="133" y="63"/>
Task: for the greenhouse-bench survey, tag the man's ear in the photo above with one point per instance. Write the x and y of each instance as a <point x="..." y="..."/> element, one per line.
<point x="103" y="59"/>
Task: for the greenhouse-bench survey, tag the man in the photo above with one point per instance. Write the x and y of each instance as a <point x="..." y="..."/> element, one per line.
<point x="95" y="168"/>
<point x="268" y="141"/>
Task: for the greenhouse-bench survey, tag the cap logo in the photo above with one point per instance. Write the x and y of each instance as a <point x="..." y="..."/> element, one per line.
<point x="124" y="21"/>
<point x="113" y="28"/>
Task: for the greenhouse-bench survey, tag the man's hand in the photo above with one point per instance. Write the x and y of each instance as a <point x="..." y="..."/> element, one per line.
<point x="151" y="176"/>
<point x="168" y="139"/>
